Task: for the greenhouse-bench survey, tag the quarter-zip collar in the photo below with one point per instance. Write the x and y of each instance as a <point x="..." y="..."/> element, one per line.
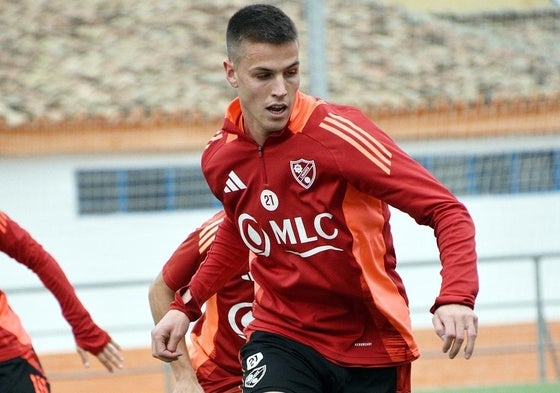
<point x="303" y="107"/>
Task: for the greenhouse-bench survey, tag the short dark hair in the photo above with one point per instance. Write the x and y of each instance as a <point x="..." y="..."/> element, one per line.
<point x="259" y="23"/>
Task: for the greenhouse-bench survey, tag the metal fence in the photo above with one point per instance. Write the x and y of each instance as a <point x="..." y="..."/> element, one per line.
<point x="543" y="304"/>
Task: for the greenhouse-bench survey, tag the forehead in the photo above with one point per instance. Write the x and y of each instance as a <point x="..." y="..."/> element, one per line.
<point x="268" y="56"/>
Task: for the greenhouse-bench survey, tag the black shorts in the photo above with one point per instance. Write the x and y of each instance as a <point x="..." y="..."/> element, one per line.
<point x="275" y="363"/>
<point x="18" y="376"/>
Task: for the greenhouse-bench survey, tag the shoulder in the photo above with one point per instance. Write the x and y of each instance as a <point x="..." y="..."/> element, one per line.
<point x="343" y="124"/>
<point x="214" y="143"/>
<point x="211" y="225"/>
<point x="4" y="221"/>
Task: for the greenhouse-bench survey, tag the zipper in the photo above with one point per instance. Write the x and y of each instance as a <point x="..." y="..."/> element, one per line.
<point x="262" y="164"/>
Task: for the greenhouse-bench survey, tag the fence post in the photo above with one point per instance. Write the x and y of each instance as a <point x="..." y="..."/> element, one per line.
<point x="168" y="378"/>
<point x="318" y="79"/>
<point x="541" y="323"/>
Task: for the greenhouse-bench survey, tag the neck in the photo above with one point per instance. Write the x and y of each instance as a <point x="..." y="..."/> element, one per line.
<point x="258" y="136"/>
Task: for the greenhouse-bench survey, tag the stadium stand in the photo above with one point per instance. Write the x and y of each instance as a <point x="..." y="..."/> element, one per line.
<point x="116" y="65"/>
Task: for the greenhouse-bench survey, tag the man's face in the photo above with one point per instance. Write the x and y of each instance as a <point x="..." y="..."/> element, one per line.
<point x="266" y="77"/>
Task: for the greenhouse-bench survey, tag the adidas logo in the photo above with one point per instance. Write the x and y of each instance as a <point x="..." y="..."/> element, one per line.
<point x="234" y="183"/>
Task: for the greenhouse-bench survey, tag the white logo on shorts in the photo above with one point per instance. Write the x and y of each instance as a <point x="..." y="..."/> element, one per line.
<point x="254" y="377"/>
<point x="254" y="360"/>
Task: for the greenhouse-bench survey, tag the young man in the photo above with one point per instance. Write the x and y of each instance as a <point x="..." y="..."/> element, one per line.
<point x="20" y="369"/>
<point x="306" y="185"/>
<point x="218" y="335"/>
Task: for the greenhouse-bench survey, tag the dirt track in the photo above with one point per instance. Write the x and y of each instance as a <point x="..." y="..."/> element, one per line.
<point x="505" y="355"/>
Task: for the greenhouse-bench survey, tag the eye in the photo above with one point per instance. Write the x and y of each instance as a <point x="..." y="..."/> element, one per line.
<point x="263" y="75"/>
<point x="293" y="72"/>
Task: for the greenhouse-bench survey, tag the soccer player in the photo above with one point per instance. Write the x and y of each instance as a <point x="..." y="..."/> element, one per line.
<point x="306" y="185"/>
<point x="213" y="364"/>
<point x="20" y="369"/>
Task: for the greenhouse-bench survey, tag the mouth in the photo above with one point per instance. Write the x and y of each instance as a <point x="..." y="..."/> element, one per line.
<point x="277" y="109"/>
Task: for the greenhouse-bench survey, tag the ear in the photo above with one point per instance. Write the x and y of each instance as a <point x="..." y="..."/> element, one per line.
<point x="230" y="73"/>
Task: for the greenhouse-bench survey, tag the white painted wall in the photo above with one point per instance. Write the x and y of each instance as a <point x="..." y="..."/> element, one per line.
<point x="40" y="193"/>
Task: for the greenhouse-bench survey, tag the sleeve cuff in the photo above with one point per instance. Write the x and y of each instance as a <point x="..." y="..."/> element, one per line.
<point x="464" y="300"/>
<point x="191" y="309"/>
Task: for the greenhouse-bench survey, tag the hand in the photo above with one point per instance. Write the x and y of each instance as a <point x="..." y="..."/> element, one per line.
<point x="167" y="334"/>
<point x="111" y="356"/>
<point x="451" y="323"/>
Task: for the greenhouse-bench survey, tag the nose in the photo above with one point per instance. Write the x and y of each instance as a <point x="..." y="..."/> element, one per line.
<point x="279" y="87"/>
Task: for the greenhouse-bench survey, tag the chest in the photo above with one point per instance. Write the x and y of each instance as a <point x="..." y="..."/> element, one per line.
<point x="297" y="175"/>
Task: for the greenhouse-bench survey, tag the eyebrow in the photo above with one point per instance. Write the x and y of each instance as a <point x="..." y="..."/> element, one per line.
<point x="294" y="64"/>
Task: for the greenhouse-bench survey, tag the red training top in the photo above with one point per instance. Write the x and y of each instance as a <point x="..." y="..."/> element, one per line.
<point x="313" y="204"/>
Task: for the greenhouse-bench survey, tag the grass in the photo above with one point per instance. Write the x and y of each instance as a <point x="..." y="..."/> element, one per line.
<point x="533" y="388"/>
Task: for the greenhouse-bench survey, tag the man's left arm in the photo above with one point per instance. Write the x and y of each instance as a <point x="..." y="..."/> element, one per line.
<point x="392" y="176"/>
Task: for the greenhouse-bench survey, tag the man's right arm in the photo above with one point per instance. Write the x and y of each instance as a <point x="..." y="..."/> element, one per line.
<point x="176" y="273"/>
<point x="160" y="295"/>
<point x="226" y="257"/>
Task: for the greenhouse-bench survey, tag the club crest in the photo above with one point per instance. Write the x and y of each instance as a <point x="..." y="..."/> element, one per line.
<point x="304" y="172"/>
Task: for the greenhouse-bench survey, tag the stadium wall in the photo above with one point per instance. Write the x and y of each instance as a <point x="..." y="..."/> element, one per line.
<point x="39" y="193"/>
<point x="159" y="132"/>
<point x="38" y="190"/>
